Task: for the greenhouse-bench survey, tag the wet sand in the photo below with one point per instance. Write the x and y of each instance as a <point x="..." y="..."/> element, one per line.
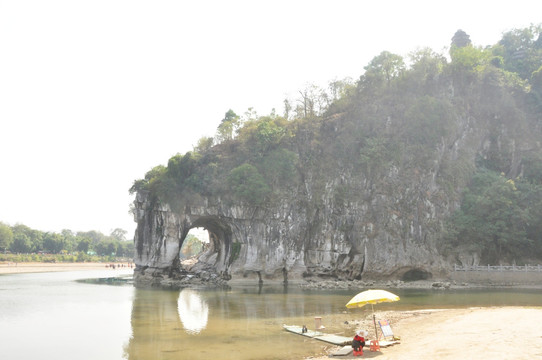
<point x="33" y="267"/>
<point x="475" y="333"/>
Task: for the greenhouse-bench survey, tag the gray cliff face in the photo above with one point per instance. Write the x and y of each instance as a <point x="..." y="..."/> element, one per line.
<point x="384" y="236"/>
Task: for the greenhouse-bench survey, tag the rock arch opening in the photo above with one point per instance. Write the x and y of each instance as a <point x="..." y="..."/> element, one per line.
<point x="216" y="253"/>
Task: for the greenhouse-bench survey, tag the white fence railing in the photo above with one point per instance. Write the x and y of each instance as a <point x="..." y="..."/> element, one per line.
<point x="496" y="268"/>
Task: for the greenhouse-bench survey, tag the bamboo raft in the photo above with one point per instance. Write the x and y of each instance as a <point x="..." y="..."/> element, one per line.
<point x="329" y="338"/>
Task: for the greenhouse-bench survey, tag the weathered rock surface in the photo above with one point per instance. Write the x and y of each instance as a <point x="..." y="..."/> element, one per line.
<point x="372" y="241"/>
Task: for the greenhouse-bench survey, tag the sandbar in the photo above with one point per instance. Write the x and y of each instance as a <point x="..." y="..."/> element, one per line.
<point x="35" y="267"/>
<point x="473" y="333"/>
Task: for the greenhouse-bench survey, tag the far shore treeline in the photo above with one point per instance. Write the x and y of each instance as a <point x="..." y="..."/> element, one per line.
<point x="22" y="243"/>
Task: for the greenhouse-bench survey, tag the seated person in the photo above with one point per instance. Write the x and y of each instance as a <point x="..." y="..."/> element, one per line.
<point x="359" y="341"/>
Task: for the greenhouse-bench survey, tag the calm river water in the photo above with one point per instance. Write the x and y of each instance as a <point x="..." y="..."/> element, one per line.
<point x="53" y="316"/>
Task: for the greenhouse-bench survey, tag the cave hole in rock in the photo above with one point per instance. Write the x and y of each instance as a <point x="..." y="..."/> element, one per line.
<point x="195" y="243"/>
<point x="416" y="274"/>
<point x="217" y="253"/>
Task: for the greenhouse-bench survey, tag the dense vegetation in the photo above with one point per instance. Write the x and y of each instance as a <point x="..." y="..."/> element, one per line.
<point x="398" y="114"/>
<point x="70" y="246"/>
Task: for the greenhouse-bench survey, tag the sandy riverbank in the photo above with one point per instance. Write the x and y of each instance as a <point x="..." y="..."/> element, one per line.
<point x="33" y="267"/>
<point x="476" y="333"/>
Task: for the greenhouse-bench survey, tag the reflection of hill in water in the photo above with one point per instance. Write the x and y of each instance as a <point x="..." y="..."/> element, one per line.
<point x="192" y="324"/>
<point x="162" y="320"/>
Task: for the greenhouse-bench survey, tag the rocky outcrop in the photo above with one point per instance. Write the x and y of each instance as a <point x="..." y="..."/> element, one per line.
<point x="385" y="236"/>
<point x="388" y="226"/>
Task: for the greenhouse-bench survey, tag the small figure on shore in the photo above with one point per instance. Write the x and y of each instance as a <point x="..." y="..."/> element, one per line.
<point x="359" y="342"/>
<point x="304" y="329"/>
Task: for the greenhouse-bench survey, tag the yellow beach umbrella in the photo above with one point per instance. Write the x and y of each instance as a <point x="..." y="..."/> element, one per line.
<point x="371" y="297"/>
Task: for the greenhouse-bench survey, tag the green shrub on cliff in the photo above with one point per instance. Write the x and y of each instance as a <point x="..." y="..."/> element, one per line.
<point x="248" y="184"/>
<point x="494" y="219"/>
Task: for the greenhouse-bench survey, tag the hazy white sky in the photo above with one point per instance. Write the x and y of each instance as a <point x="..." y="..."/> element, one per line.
<point x="93" y="94"/>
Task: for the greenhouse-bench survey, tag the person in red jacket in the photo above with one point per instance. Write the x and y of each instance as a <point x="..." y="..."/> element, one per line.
<point x="359" y="341"/>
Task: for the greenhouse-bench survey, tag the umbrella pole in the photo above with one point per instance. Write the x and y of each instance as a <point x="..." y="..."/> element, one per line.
<point x="374" y="322"/>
